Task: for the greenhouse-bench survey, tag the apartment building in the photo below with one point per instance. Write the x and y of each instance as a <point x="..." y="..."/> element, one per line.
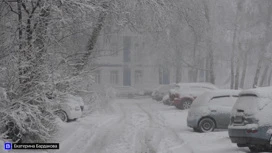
<point x="129" y="62"/>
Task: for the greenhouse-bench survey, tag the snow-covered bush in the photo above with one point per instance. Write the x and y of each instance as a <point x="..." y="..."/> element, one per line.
<point x="31" y="117"/>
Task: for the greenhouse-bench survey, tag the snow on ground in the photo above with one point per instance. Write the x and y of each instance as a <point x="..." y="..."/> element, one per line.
<point x="139" y="126"/>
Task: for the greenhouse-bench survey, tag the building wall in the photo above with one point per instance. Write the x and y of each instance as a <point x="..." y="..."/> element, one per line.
<point x="144" y="74"/>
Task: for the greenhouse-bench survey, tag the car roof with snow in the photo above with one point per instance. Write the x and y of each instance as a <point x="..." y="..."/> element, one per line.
<point x="198" y="84"/>
<point x="71" y="100"/>
<point x="221" y="92"/>
<point x="165" y="86"/>
<point x="208" y="95"/>
<point x="265" y="92"/>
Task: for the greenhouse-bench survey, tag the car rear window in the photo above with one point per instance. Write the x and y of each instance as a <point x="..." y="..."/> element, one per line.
<point x="247" y="103"/>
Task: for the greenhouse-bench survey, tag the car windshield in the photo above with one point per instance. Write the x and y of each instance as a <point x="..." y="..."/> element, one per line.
<point x="201" y="100"/>
<point x="224" y="100"/>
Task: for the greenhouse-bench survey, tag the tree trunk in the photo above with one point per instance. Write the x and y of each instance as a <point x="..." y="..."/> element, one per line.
<point x="257" y="73"/>
<point x="178" y="64"/>
<point x="269" y="78"/>
<point x="212" y="76"/>
<point x="178" y="74"/>
<point x="237" y="75"/>
<point x="207" y="74"/>
<point x="243" y="76"/>
<point x="195" y="64"/>
<point x="93" y="39"/>
<point x="20" y="36"/>
<point x="264" y="76"/>
<point x="209" y="42"/>
<point x="233" y="79"/>
<point x="232" y="59"/>
<point x="264" y="44"/>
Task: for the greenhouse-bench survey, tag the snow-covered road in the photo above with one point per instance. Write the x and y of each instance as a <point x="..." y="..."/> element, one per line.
<point x="140" y="126"/>
<point x="132" y="126"/>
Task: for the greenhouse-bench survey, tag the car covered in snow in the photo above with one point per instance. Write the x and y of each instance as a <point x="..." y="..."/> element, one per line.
<point x="211" y="110"/>
<point x="184" y="94"/>
<point x="166" y="100"/>
<point x="77" y="99"/>
<point x="68" y="107"/>
<point x="251" y="120"/>
<point x="161" y="91"/>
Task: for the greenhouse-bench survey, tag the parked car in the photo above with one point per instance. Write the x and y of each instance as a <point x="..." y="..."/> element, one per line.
<point x="183" y="94"/>
<point x="166" y="100"/>
<point x="251" y="120"/>
<point x="68" y="108"/>
<point x="77" y="99"/>
<point x="161" y="91"/>
<point x="211" y="110"/>
<point x="148" y="92"/>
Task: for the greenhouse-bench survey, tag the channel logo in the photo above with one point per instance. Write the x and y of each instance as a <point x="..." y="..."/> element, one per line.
<point x="12" y="146"/>
<point x="8" y="146"/>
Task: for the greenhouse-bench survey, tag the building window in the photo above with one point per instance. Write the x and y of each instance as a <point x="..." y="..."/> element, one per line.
<point x="139" y="55"/>
<point x="97" y="76"/>
<point x="126" y="76"/>
<point x="127" y="48"/>
<point x="138" y="77"/>
<point x="114" y="77"/>
<point x="164" y="76"/>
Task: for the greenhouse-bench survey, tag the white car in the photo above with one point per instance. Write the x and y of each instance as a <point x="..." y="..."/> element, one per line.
<point x="77" y="99"/>
<point x="69" y="108"/>
<point x="211" y="110"/>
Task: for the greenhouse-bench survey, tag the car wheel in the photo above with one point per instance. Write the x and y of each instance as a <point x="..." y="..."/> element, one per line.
<point x="206" y="125"/>
<point x="186" y="103"/>
<point x="196" y="130"/>
<point x="179" y="106"/>
<point x="62" y="115"/>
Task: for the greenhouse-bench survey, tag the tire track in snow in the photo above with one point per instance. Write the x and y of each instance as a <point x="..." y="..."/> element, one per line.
<point x="109" y="138"/>
<point x="77" y="139"/>
<point x="160" y="137"/>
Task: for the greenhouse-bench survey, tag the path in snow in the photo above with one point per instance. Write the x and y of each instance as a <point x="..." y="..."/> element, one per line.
<point x="136" y="128"/>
